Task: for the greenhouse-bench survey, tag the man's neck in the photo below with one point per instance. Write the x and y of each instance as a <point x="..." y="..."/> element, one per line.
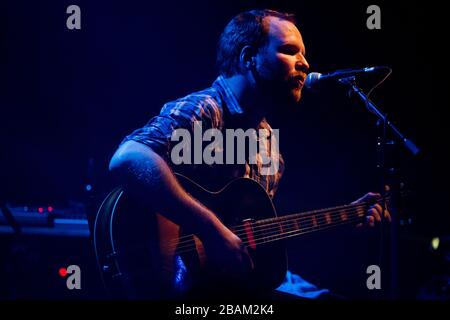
<point x="248" y="98"/>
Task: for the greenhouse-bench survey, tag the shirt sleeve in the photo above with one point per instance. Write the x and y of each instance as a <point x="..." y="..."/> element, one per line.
<point x="180" y="114"/>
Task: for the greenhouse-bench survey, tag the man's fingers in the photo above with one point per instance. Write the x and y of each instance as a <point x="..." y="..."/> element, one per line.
<point x="374" y="213"/>
<point x="387" y="215"/>
<point x="370" y="220"/>
<point x="378" y="207"/>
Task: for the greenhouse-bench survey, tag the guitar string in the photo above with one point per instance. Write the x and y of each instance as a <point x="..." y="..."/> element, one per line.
<point x="304" y="215"/>
<point x="258" y="227"/>
<point x="201" y="254"/>
<point x="275" y="220"/>
<point x="282" y="236"/>
<point x="307" y="215"/>
<point x="297" y="224"/>
<point x="310" y="229"/>
<point x="261" y="225"/>
<point x="275" y="232"/>
<point x="271" y="232"/>
<point x="275" y="225"/>
<point x="322" y="215"/>
<point x="324" y="226"/>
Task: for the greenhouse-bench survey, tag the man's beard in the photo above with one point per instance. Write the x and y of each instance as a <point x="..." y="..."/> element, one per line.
<point x="280" y="95"/>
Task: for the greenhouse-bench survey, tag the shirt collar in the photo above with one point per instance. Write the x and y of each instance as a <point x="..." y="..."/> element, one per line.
<point x="230" y="100"/>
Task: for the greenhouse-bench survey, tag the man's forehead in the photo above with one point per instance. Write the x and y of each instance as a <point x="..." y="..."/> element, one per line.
<point x="282" y="31"/>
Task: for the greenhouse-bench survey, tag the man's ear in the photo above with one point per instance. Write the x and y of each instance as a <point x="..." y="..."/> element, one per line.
<point x="248" y="58"/>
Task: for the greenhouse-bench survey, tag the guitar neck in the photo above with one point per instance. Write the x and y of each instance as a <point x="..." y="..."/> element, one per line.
<point x="273" y="229"/>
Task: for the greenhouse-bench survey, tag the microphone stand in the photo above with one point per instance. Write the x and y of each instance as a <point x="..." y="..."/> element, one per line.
<point x="384" y="125"/>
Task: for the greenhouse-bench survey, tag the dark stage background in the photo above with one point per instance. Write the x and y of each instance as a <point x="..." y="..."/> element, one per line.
<point x="68" y="97"/>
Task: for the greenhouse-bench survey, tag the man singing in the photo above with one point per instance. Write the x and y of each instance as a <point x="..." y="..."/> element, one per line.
<point x="262" y="67"/>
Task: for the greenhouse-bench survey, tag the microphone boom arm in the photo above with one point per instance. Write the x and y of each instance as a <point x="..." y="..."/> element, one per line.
<point x="373" y="109"/>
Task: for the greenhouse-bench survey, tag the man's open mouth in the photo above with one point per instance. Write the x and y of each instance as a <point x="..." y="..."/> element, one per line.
<point x="298" y="81"/>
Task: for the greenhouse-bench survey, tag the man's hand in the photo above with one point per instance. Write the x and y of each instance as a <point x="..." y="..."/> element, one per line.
<point x="375" y="210"/>
<point x="228" y="254"/>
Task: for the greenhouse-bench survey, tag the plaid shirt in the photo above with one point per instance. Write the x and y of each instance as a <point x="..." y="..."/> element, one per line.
<point x="216" y="107"/>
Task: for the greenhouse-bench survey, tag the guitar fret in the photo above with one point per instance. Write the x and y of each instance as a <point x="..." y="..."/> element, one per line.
<point x="360" y="211"/>
<point x="328" y="218"/>
<point x="287" y="226"/>
<point x="297" y="225"/>
<point x="314" y="220"/>
<point x="291" y="225"/>
<point x="305" y="223"/>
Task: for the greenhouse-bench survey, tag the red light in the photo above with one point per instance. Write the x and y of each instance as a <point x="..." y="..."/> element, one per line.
<point x="50" y="209"/>
<point x="62" y="272"/>
<point x="40" y="210"/>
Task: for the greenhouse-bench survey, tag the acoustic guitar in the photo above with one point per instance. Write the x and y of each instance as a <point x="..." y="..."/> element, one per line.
<point x="143" y="255"/>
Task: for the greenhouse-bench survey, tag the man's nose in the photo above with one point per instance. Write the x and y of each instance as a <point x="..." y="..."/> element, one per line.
<point x="302" y="64"/>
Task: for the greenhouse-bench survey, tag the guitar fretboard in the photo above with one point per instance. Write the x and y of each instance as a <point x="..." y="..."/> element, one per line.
<point x="258" y="232"/>
<point x="272" y="229"/>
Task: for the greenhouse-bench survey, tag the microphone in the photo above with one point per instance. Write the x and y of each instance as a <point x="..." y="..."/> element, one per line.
<point x="315" y="78"/>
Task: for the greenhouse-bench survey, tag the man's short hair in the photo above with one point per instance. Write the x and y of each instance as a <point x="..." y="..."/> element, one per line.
<point x="246" y="28"/>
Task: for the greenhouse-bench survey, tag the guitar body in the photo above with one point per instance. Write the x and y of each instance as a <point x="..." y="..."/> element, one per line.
<point x="143" y="255"/>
